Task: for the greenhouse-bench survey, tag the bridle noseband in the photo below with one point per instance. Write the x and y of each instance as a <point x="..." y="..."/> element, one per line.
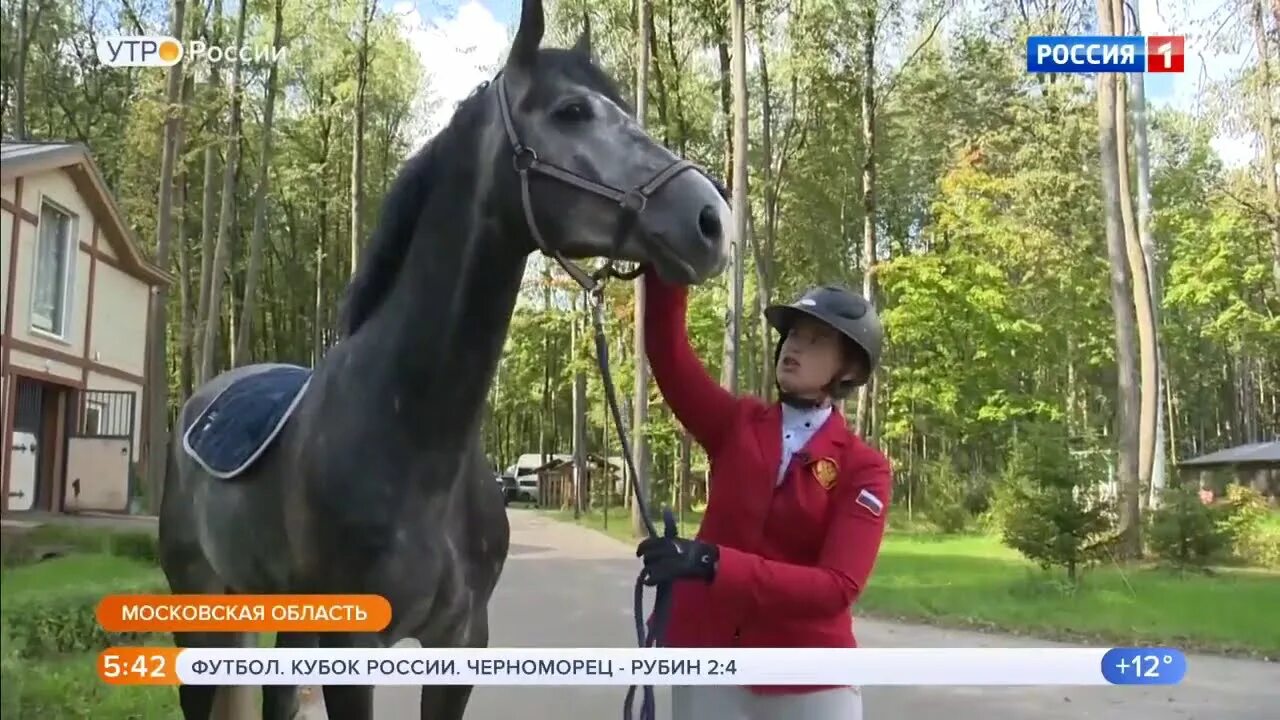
<point x="631" y="203"/>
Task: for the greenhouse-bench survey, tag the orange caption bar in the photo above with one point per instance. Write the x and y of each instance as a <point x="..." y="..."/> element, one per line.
<point x="139" y="666"/>
<point x="244" y="613"/>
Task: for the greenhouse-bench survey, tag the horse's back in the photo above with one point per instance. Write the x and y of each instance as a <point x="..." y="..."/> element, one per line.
<point x="213" y="387"/>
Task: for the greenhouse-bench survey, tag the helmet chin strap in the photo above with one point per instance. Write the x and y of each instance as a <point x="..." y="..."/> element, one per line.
<point x="799" y="402"/>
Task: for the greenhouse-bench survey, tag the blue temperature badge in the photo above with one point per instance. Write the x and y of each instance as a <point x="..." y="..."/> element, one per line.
<point x="1144" y="666"/>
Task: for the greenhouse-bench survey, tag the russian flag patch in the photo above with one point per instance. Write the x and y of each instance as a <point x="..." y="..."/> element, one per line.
<point x="868" y="500"/>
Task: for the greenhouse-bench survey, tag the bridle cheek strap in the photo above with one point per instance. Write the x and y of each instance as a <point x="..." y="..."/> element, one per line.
<point x="631" y="203"/>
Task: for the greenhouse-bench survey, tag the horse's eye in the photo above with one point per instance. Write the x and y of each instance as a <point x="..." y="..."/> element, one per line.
<point x="576" y="111"/>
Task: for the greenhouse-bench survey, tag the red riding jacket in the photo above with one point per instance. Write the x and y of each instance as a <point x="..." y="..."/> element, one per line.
<point x="793" y="559"/>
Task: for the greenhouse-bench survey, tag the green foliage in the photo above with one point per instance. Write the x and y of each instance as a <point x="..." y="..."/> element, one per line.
<point x="945" y="496"/>
<point x="51" y="638"/>
<point x="67" y="687"/>
<point x="1050" y="506"/>
<point x="1247" y="523"/>
<point x="60" y="624"/>
<point x="1186" y="532"/>
<point x="21" y="547"/>
<point x="1246" y="512"/>
<point x="49" y="607"/>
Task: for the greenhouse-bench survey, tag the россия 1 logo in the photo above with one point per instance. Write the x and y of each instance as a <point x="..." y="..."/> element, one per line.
<point x="1106" y="53"/>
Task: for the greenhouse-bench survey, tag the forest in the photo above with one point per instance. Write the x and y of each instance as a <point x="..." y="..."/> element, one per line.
<point x="1049" y="253"/>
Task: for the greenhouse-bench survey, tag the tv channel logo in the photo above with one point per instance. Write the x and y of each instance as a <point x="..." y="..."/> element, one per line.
<point x="1106" y="53"/>
<point x="139" y="51"/>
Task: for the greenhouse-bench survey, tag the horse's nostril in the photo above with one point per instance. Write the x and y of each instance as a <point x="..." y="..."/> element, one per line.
<point x="709" y="223"/>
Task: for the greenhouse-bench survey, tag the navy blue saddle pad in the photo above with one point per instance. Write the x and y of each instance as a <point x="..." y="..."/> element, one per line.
<point x="239" y="425"/>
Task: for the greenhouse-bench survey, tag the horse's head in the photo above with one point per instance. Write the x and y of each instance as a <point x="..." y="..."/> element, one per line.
<point x="590" y="166"/>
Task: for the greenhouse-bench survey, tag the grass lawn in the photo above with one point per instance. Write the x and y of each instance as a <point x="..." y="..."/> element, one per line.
<point x="974" y="581"/>
<point x="66" y="685"/>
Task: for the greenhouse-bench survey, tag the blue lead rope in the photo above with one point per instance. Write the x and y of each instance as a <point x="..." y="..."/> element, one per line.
<point x="662" y="601"/>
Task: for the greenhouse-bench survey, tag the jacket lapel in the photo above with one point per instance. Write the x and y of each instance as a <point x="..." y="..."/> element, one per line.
<point x="768" y="431"/>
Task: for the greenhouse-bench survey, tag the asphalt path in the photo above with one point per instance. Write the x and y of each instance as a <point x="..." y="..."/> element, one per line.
<point x="567" y="586"/>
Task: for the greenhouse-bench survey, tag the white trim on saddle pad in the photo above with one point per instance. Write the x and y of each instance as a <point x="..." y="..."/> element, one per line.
<point x="262" y="446"/>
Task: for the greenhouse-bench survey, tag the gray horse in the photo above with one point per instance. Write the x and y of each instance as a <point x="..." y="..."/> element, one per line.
<point x="370" y="476"/>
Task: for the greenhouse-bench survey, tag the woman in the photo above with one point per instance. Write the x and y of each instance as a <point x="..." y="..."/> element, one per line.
<point x="796" y="507"/>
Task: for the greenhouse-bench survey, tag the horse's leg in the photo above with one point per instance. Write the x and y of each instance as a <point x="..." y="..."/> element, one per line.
<point x="196" y="701"/>
<point x="280" y="702"/>
<point x="449" y="702"/>
<point x="199" y="702"/>
<point x="347" y="702"/>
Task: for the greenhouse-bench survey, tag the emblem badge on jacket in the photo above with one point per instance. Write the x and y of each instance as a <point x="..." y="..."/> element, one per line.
<point x="825" y="472"/>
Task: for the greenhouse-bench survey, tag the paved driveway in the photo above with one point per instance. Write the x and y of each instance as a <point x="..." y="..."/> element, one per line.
<point x="566" y="586"/>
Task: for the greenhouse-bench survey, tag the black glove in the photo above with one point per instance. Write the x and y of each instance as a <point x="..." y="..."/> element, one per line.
<point x="677" y="558"/>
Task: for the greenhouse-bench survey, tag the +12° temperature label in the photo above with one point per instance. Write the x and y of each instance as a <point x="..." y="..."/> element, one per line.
<point x="1144" y="666"/>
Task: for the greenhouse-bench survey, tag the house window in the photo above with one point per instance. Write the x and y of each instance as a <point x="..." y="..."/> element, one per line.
<point x="54" y="253"/>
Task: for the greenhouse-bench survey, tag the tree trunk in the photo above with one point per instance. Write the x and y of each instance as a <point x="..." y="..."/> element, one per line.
<point x="185" y="308"/>
<point x="733" y="313"/>
<point x="640" y="400"/>
<point x="23" y="41"/>
<point x="762" y="244"/>
<point x="546" y="416"/>
<point x="367" y="8"/>
<point x="221" y="252"/>
<point x="157" y="366"/>
<point x="659" y="81"/>
<point x="186" y="283"/>
<point x="1148" y="381"/>
<point x="249" y="305"/>
<point x="1147" y="238"/>
<point x="209" y="218"/>
<point x="579" y="417"/>
<point x="1268" y="129"/>
<point x="1121" y="302"/>
<point x="722" y="50"/>
<point x="865" y="396"/>
<point x="682" y="125"/>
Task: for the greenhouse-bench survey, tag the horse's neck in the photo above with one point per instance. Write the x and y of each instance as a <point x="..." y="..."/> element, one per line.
<point x="427" y="356"/>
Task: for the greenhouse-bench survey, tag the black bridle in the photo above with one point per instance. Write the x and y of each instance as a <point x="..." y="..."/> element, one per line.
<point x="631" y="204"/>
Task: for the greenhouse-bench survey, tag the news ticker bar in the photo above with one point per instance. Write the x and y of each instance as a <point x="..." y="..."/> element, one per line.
<point x="1106" y="53"/>
<point x="643" y="666"/>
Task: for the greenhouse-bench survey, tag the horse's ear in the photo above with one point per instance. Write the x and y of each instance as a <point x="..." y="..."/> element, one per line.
<point x="524" y="49"/>
<point x="583" y="45"/>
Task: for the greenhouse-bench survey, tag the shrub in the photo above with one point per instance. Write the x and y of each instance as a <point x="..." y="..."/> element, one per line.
<point x="1048" y="505"/>
<point x="141" y="546"/>
<point x="23" y="547"/>
<point x="1186" y="532"/>
<point x="1262" y="549"/>
<point x="1244" y="522"/>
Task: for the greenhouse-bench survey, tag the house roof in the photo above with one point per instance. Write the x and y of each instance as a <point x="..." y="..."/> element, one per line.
<point x="1260" y="453"/>
<point x="529" y="463"/>
<point x="23" y="159"/>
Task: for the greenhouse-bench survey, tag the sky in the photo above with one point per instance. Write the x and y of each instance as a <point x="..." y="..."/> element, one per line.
<point x="461" y="41"/>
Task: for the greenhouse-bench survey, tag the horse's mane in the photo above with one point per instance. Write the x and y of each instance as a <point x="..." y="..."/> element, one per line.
<point x="383" y="256"/>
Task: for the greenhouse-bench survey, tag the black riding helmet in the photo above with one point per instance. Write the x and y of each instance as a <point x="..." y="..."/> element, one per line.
<point x="845" y="311"/>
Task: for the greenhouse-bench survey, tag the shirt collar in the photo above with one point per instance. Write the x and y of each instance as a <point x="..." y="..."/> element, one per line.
<point x="801" y="417"/>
